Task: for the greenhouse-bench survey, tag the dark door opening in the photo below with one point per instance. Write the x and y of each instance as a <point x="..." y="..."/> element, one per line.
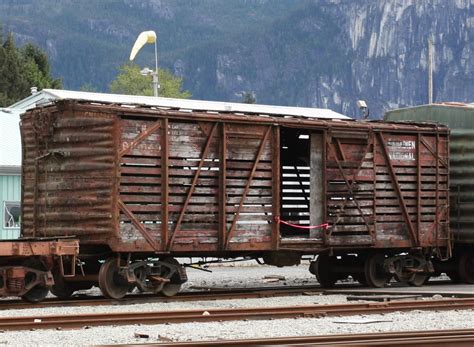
<point x="295" y="182"/>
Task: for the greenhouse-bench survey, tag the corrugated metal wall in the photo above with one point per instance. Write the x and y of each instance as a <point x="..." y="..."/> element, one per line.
<point x="460" y="119"/>
<point x="10" y="190"/>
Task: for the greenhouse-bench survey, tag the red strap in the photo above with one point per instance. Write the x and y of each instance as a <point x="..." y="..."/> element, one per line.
<point x="324" y="226"/>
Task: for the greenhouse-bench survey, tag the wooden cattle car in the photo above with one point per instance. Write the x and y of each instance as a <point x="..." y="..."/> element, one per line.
<point x="140" y="185"/>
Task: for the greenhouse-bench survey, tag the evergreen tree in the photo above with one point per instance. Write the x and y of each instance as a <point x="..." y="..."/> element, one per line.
<point x="36" y="68"/>
<point x="21" y="69"/>
<point x="130" y="81"/>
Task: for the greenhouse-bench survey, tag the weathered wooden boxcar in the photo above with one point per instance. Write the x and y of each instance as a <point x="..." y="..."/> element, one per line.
<point x="139" y="186"/>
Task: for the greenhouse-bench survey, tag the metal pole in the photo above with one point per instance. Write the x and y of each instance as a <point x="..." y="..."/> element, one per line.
<point x="430" y="71"/>
<point x="156" y="85"/>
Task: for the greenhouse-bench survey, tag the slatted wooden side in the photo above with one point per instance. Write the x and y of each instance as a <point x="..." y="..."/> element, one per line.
<point x="140" y="178"/>
<point x="387" y="190"/>
<point x="193" y="210"/>
<point x="195" y="182"/>
<point x="249" y="211"/>
<point x="423" y="183"/>
<point x="350" y="188"/>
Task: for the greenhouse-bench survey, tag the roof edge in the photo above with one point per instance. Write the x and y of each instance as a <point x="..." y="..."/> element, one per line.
<point x="10" y="170"/>
<point x="190" y="104"/>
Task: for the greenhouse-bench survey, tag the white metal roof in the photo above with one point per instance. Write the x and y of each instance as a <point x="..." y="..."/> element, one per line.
<point x="48" y="95"/>
<point x="10" y="142"/>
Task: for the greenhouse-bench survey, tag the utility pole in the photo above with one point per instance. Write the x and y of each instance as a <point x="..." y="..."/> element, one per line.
<point x="430" y="70"/>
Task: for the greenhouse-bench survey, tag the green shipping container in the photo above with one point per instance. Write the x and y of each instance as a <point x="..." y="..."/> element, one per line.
<point x="460" y="119"/>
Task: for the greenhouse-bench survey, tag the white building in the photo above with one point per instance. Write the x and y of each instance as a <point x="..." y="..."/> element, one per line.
<point x="10" y="174"/>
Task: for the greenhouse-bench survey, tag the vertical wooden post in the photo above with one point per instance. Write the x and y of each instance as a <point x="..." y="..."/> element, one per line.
<point x="222" y="189"/>
<point x="164" y="183"/>
<point x="374" y="182"/>
<point x="325" y="184"/>
<point x="418" y="185"/>
<point x="276" y="187"/>
<point x="317" y="183"/>
<point x="117" y="138"/>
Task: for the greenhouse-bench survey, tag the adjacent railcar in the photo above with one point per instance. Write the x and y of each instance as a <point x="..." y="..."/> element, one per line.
<point x="139" y="186"/>
<point x="460" y="119"/>
<point x="26" y="265"/>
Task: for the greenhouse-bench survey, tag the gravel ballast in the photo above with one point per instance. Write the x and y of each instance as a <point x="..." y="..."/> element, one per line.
<point x="223" y="277"/>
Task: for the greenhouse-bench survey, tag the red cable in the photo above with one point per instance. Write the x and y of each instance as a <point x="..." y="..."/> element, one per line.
<point x="324" y="226"/>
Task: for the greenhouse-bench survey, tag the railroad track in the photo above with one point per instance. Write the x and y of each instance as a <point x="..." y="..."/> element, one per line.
<point x="160" y="317"/>
<point x="202" y="295"/>
<point x="463" y="337"/>
<point x="213" y="294"/>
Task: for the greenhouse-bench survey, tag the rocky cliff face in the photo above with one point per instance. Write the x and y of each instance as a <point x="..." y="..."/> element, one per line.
<point x="331" y="53"/>
<point x="319" y="53"/>
<point x="389" y="40"/>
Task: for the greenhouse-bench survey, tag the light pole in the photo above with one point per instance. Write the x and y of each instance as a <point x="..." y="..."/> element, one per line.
<point x="142" y="39"/>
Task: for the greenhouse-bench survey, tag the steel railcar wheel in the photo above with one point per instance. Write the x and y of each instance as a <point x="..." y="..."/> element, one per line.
<point x="419" y="279"/>
<point x="375" y="274"/>
<point x="170" y="289"/>
<point x="111" y="283"/>
<point x="39" y="291"/>
<point x="36" y="294"/>
<point x="61" y="288"/>
<point x="324" y="275"/>
<point x="466" y="267"/>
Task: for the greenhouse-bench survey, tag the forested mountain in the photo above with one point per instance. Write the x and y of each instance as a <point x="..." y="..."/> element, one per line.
<point x="319" y="53"/>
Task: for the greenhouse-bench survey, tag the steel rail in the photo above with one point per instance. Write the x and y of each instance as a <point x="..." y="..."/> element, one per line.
<point x="205" y="294"/>
<point x="217" y="293"/>
<point x="202" y="295"/>
<point x="459" y="337"/>
<point x="207" y="315"/>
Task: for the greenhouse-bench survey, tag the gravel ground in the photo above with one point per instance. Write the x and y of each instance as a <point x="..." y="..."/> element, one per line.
<point x="233" y="277"/>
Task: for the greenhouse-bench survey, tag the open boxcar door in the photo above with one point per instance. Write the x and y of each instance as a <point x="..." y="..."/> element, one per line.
<point x="322" y="172"/>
